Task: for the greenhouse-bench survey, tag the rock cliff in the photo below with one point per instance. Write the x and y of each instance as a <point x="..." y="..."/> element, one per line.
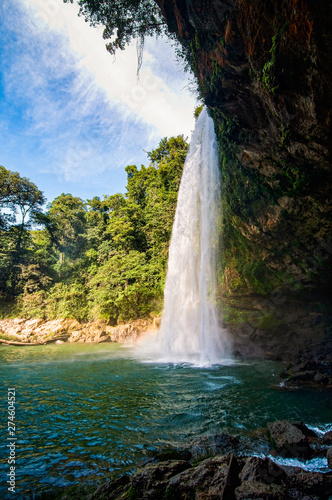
<point x="264" y="71"/>
<point x="264" y="68"/>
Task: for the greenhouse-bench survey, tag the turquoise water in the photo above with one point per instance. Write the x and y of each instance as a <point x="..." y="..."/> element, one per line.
<point x="86" y="411"/>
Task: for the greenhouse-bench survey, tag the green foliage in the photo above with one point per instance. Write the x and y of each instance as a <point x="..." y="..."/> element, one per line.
<point x="105" y="258"/>
<point x="256" y="273"/>
<point x="198" y="111"/>
<point x="293" y="179"/>
<point x="20" y="203"/>
<point x="67" y="224"/>
<point x="268" y="77"/>
<point x="123" y="20"/>
<point x="124" y="287"/>
<point x="18" y="195"/>
<point x="67" y="300"/>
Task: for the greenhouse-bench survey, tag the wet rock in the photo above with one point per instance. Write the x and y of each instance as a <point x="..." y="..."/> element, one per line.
<point x="112" y="490"/>
<point x="315" y="371"/>
<point x="225" y="443"/>
<point x="170" y="454"/>
<point x="151" y="481"/>
<point x="329" y="457"/>
<point x="327" y="438"/>
<point x="319" y="378"/>
<point x="315" y="483"/>
<point x="207" y="480"/>
<point x="302" y="376"/>
<point x="288" y="440"/>
<point x="257" y="490"/>
<point x="305" y="430"/>
<point x="262" y="470"/>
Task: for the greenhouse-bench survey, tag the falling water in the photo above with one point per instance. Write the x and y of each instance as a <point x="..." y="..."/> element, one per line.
<point x="190" y="329"/>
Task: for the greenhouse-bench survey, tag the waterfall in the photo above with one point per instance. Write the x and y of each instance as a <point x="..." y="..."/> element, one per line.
<point x="190" y="330"/>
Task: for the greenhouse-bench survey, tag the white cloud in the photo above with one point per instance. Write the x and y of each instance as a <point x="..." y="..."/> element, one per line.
<point x="168" y="109"/>
<point x="70" y="111"/>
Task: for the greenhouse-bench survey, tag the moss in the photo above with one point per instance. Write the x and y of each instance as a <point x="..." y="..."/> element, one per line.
<point x="270" y="438"/>
<point x="268" y="77"/>
<point x="269" y="321"/>
<point x="293" y="179"/>
<point x="238" y="316"/>
<point x="284" y="136"/>
<point x="132" y="494"/>
<point x="4" y="336"/>
<point x="257" y="273"/>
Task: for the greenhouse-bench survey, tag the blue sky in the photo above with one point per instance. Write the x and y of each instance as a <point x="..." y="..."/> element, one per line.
<point x="72" y="116"/>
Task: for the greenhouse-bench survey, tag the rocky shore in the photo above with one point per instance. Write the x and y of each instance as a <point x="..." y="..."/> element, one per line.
<point x="231" y="473"/>
<point x="309" y="372"/>
<point x="226" y="467"/>
<point x="39" y="331"/>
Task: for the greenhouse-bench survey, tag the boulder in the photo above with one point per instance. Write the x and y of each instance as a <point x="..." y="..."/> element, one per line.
<point x="329" y="457"/>
<point x="224" y="443"/>
<point x="320" y="378"/>
<point x="258" y="491"/>
<point x="327" y="438"/>
<point x="305" y="430"/>
<point x="262" y="470"/>
<point x="312" y="483"/>
<point x="288" y="440"/>
<point x="207" y="480"/>
<point x="112" y="489"/>
<point x="169" y="454"/>
<point x="104" y="338"/>
<point x="152" y="479"/>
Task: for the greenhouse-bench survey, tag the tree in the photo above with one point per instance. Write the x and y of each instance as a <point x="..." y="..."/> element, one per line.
<point x="106" y="258"/>
<point x="125" y="286"/>
<point x="67" y="225"/>
<point x="124" y="19"/>
<point x="20" y="202"/>
<point x="19" y="194"/>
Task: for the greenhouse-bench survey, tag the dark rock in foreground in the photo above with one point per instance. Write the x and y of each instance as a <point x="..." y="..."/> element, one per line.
<point x="223" y="477"/>
<point x="230" y="477"/>
<point x="327" y="438"/>
<point x="262" y="470"/>
<point x="288" y="439"/>
<point x="173" y="474"/>
<point x="329" y="457"/>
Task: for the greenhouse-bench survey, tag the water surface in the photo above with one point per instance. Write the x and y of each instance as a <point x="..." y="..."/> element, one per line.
<point x="86" y="411"/>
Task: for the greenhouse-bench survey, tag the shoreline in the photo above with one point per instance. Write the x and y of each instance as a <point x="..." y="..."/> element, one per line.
<point x="32" y="332"/>
<point x="227" y="468"/>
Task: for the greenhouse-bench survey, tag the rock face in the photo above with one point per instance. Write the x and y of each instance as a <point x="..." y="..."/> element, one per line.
<point x="264" y="71"/>
<point x="310" y="372"/>
<point x="153" y="479"/>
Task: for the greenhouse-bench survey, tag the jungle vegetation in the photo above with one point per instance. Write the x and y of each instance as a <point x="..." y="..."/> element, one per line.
<point x="95" y="259"/>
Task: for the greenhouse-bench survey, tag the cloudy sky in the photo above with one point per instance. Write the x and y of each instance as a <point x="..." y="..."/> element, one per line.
<point x="71" y="115"/>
